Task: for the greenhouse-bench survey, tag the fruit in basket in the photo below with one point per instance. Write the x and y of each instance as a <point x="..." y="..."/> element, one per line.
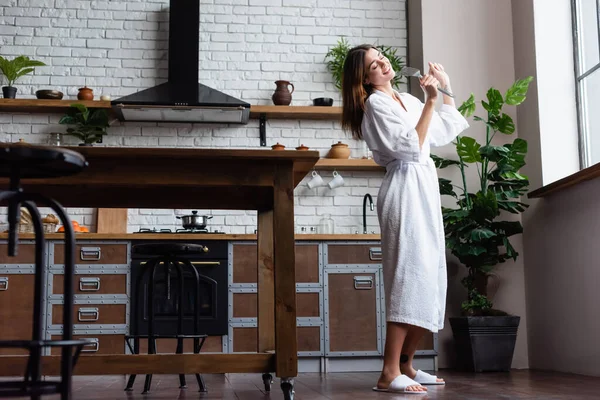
<point x="76" y="227"/>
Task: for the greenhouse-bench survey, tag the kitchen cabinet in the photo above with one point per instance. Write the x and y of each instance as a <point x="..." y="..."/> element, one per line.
<point x="101" y="294"/>
<point x="16" y="295"/>
<point x="353" y="313"/>
<point x="355" y="303"/>
<point x="243" y="298"/>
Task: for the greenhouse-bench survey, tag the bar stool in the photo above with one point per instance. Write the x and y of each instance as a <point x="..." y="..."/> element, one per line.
<point x="21" y="161"/>
<point x="169" y="256"/>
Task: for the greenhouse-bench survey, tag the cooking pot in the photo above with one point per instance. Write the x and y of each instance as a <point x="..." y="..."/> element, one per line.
<point x="194" y="221"/>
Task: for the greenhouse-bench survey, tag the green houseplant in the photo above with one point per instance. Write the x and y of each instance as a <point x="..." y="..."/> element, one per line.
<point x="476" y="233"/>
<point x="13" y="70"/>
<point x="336" y="56"/>
<point x="88" y="125"/>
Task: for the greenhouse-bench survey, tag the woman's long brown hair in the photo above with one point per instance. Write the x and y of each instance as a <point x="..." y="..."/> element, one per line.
<point x="354" y="90"/>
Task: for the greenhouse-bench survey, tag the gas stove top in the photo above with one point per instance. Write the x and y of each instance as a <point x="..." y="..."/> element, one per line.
<point x="162" y="230"/>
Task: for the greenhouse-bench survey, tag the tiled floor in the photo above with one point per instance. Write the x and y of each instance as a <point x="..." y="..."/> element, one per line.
<point x="461" y="386"/>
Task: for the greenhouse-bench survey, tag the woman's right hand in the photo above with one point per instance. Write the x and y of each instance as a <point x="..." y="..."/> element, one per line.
<point x="429" y="84"/>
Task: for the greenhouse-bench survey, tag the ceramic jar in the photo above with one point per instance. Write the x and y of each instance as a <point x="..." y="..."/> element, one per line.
<point x="85" y="93"/>
<point x="278" y="146"/>
<point x="339" y="150"/>
<point x="302" y="148"/>
<point x="282" y="95"/>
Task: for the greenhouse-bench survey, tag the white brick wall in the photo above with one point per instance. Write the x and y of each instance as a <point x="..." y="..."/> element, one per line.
<point x="119" y="47"/>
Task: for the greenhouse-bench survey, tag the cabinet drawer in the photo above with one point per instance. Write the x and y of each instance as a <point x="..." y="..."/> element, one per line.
<point x="245" y="305"/>
<point x="309" y="338"/>
<point x="16" y="309"/>
<point x="104" y="314"/>
<point x="245" y="340"/>
<point x="93" y="254"/>
<point x="105" y="344"/>
<point x="212" y="344"/>
<point x="25" y="254"/>
<point x="86" y="284"/>
<point x="353" y="254"/>
<point x="245" y="264"/>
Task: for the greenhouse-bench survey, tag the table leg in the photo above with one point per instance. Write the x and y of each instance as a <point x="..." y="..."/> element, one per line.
<point x="286" y="353"/>
<point x="266" y="283"/>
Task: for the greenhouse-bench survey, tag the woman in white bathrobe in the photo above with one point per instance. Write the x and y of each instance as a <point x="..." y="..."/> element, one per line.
<point x="399" y="129"/>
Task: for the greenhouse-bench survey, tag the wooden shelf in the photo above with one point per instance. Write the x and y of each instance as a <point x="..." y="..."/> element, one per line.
<point x="348" y="164"/>
<point x="296" y="112"/>
<point x="46" y="106"/>
<point x="270" y="112"/>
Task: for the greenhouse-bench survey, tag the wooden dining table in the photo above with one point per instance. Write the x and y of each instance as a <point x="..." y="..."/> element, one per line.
<point x="262" y="180"/>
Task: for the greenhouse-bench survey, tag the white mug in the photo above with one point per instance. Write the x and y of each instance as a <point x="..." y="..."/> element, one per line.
<point x="315" y="181"/>
<point x="336" y="181"/>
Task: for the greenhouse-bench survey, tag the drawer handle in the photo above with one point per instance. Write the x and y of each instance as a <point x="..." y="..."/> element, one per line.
<point x="91" y="348"/>
<point x="363" y="282"/>
<point x="3" y="283"/>
<point x="90" y="253"/>
<point x="88" y="314"/>
<point x="375" y="254"/>
<point x="89" y="284"/>
<point x="193" y="263"/>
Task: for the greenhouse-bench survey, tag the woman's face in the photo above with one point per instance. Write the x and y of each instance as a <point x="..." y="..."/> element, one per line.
<point x="379" y="70"/>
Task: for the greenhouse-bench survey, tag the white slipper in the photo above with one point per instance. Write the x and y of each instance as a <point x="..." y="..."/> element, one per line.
<point x="399" y="385"/>
<point x="427" y="379"/>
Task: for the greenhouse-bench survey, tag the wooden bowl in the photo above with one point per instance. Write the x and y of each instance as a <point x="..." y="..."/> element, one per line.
<point x="49" y="94"/>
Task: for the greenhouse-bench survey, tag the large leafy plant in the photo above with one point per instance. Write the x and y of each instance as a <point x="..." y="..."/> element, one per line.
<point x="17" y="67"/>
<point x="336" y="56"/>
<point x="88" y="125"/>
<point x="474" y="233"/>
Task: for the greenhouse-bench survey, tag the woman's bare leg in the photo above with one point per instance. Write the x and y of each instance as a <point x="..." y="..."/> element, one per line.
<point x="395" y="338"/>
<point x="409" y="347"/>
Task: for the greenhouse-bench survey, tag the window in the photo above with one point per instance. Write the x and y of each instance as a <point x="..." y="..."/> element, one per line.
<point x="586" y="33"/>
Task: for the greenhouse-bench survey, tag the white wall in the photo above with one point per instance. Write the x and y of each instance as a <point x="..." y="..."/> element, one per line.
<point x="473" y="40"/>
<point x="119" y="47"/>
<point x="560" y="231"/>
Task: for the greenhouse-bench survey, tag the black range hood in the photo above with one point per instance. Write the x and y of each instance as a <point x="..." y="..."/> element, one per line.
<point x="182" y="98"/>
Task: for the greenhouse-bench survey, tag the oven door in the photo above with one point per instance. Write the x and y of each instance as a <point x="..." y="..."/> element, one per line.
<point x="212" y="308"/>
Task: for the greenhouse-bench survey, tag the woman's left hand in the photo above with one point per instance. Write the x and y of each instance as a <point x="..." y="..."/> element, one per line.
<point x="437" y="71"/>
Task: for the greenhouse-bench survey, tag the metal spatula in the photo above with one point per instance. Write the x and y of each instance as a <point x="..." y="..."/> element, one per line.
<point x="410" y="71"/>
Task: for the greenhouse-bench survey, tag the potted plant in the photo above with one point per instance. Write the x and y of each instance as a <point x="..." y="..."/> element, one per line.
<point x="337" y="56"/>
<point x="476" y="234"/>
<point x="13" y="70"/>
<point x="89" y="125"/>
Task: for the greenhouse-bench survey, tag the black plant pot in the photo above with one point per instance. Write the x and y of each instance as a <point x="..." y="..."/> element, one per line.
<point x="9" y="92"/>
<point x="485" y="343"/>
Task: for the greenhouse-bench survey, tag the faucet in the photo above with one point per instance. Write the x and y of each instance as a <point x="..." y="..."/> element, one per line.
<point x="367" y="196"/>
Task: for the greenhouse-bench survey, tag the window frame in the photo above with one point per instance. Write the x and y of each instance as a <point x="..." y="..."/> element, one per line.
<point x="585" y="158"/>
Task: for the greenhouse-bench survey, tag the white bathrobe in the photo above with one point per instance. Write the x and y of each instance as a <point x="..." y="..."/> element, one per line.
<point x="409" y="207"/>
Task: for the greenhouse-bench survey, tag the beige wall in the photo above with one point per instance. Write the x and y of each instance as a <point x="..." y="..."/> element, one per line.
<point x="560" y="232"/>
<point x="473" y="39"/>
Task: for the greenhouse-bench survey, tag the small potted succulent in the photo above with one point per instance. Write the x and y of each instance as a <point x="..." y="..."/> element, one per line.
<point x="88" y="125"/>
<point x="13" y="70"/>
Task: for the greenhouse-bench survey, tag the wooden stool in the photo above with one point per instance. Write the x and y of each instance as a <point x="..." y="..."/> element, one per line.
<point x="20" y="161"/>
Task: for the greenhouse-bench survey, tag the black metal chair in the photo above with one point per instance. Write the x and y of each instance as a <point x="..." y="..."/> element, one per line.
<point x="169" y="256"/>
<point x="21" y="161"/>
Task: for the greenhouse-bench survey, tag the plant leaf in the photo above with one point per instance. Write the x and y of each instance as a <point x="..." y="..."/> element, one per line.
<point x="468" y="149"/>
<point x="494" y="153"/>
<point x="446" y="188"/>
<point x="442" y="162"/>
<point x="479" y="234"/>
<point x="503" y="124"/>
<point x="467" y="108"/>
<point x="515" y="95"/>
<point x="495" y="101"/>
